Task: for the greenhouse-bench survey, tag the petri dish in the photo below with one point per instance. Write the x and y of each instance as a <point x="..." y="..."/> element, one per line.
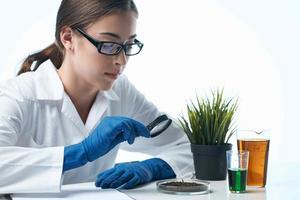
<point x="183" y="186"/>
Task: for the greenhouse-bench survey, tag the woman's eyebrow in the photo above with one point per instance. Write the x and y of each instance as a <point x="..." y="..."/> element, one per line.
<point x="116" y="35"/>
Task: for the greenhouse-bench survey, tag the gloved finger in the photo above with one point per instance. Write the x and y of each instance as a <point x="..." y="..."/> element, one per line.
<point x="128" y="132"/>
<point x="103" y="175"/>
<point x="122" y="133"/>
<point x="117" y="141"/>
<point x="125" y="134"/>
<point x="141" y="130"/>
<point x="125" y="130"/>
<point x="122" y="179"/>
<point x="131" y="183"/>
<point x="105" y="183"/>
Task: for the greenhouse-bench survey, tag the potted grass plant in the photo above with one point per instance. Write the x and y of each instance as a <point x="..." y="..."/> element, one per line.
<point x="209" y="125"/>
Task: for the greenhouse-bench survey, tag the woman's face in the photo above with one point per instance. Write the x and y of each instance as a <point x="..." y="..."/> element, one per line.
<point x="99" y="70"/>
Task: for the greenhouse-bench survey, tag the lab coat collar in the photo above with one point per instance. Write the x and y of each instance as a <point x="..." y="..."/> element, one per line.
<point x="50" y="87"/>
<point x="111" y="95"/>
<point x="48" y="84"/>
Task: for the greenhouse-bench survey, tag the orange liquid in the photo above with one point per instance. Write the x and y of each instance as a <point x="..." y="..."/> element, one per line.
<point x="258" y="160"/>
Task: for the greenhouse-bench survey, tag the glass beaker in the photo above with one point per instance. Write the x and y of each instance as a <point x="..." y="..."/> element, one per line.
<point x="257" y="143"/>
<point x="237" y="165"/>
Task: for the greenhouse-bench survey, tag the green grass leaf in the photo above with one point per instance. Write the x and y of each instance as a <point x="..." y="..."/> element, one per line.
<point x="210" y="121"/>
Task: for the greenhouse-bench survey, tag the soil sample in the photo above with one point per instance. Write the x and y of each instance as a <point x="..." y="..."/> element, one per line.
<point x="189" y="186"/>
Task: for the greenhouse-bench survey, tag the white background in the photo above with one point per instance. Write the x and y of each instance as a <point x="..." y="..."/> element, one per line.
<point x="249" y="48"/>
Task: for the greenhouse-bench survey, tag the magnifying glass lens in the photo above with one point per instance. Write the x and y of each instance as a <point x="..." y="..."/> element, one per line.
<point x="159" y="127"/>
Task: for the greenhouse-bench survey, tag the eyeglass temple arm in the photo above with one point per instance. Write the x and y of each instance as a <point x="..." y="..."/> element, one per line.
<point x="95" y="43"/>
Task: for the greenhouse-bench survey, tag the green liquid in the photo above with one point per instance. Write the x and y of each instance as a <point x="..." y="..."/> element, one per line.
<point x="237" y="179"/>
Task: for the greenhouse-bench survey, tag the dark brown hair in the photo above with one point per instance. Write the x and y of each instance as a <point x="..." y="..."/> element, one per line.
<point x="74" y="13"/>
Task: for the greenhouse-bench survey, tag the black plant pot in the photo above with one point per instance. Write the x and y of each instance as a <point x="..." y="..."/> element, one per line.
<point x="210" y="161"/>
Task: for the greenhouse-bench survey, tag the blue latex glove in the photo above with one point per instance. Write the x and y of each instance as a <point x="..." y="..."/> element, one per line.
<point x="130" y="174"/>
<point x="109" y="133"/>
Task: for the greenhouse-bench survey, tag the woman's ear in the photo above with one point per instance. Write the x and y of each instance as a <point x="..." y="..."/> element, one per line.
<point x="67" y="38"/>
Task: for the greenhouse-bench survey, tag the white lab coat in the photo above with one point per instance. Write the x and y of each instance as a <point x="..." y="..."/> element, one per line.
<point x="37" y="119"/>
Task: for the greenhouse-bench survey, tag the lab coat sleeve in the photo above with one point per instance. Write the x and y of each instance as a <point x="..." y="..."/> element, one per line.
<point x="25" y="169"/>
<point x="172" y="145"/>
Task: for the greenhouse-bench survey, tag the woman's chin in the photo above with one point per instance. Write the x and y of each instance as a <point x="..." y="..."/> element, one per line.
<point x="105" y="86"/>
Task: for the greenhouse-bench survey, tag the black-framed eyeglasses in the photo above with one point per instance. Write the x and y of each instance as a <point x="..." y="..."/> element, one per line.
<point x="113" y="48"/>
<point x="159" y="125"/>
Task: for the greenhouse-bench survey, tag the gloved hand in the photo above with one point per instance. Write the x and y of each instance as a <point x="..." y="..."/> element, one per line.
<point x="109" y="133"/>
<point x="130" y="174"/>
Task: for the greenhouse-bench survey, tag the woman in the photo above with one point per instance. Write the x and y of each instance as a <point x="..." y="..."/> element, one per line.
<point x="68" y="112"/>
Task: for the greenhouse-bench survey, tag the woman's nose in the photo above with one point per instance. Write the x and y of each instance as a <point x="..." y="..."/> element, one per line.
<point x="121" y="59"/>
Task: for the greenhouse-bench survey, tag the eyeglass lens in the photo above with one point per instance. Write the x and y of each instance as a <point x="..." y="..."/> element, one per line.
<point x="113" y="48"/>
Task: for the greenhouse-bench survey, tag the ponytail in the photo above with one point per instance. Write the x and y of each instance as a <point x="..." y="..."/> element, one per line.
<point x="51" y="52"/>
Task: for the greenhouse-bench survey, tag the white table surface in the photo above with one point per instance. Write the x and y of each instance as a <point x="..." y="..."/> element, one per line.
<point x="282" y="183"/>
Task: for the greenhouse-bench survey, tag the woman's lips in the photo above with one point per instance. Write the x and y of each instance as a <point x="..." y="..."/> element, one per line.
<point x="113" y="76"/>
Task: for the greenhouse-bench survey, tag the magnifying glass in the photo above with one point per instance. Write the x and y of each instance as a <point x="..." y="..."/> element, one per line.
<point x="159" y="125"/>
